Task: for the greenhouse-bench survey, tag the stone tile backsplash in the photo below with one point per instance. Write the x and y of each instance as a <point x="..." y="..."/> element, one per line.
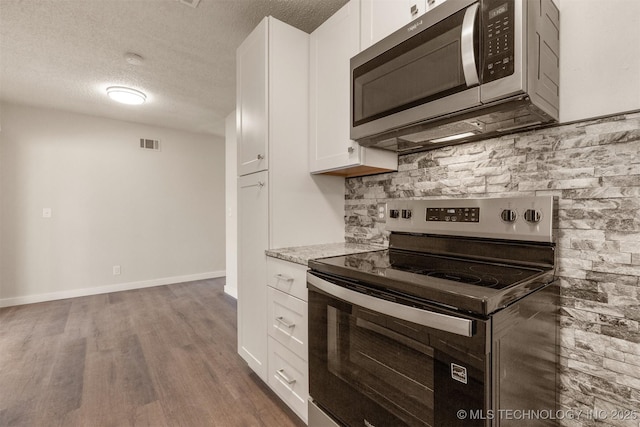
<point x="593" y="168"/>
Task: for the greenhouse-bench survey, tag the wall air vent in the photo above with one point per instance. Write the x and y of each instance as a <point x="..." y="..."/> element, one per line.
<point x="150" y="144"/>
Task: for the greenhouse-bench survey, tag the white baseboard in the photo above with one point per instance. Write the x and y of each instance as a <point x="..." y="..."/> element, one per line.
<point x="73" y="293"/>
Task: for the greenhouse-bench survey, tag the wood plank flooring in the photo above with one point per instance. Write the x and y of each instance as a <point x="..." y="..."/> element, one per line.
<point x="158" y="357"/>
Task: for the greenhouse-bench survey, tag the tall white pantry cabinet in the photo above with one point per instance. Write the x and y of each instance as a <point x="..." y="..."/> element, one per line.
<point x="280" y="204"/>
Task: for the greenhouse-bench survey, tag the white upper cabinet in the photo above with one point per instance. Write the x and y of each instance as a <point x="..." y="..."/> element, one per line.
<point x="330" y="148"/>
<point x="599" y="70"/>
<point x="251" y="100"/>
<point x="382" y="17"/>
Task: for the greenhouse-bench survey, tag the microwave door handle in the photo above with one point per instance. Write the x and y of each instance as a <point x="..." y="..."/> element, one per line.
<point x="466" y="46"/>
<point x="443" y="322"/>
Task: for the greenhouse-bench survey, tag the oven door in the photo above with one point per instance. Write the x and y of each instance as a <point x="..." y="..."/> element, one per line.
<point x="427" y="69"/>
<point x="370" y="366"/>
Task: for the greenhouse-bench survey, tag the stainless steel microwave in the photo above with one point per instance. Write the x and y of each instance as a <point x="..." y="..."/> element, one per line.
<point x="465" y="70"/>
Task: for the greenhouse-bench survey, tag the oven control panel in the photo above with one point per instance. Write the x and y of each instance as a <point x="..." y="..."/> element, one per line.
<point x="453" y="214"/>
<point x="513" y="218"/>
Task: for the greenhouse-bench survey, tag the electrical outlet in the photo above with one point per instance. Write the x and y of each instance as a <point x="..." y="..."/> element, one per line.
<point x="116" y="270"/>
<point x="382" y="210"/>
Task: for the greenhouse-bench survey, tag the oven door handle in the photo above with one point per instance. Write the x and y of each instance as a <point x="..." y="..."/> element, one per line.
<point x="442" y="322"/>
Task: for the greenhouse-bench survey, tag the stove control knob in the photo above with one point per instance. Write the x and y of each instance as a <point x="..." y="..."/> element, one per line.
<point x="533" y="216"/>
<point x="508" y="215"/>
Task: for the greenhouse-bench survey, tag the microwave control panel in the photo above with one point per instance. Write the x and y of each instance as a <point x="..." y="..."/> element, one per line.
<point x="498" y="22"/>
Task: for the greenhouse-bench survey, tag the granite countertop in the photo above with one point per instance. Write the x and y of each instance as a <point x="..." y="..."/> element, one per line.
<point x="302" y="254"/>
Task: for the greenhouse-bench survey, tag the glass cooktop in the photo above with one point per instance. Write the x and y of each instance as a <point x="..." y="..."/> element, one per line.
<point x="467" y="271"/>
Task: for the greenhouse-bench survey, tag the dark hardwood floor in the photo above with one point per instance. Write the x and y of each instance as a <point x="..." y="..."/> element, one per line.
<point x="162" y="356"/>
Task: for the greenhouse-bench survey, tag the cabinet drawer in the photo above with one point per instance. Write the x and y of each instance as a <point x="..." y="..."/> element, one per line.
<point x="287" y="277"/>
<point x="288" y="376"/>
<point x="287" y="321"/>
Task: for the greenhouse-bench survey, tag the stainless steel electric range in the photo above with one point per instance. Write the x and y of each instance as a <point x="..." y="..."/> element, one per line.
<point x="455" y="324"/>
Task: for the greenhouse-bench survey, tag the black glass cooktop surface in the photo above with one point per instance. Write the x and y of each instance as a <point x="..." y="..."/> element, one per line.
<point x="470" y="272"/>
<point x="490" y="275"/>
<point x="461" y="283"/>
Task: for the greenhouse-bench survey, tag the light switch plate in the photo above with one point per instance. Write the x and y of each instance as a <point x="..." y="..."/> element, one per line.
<point x="46" y="212"/>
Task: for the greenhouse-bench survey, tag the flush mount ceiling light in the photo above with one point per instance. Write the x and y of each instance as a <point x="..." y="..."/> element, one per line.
<point x="126" y="95"/>
<point x="133" y="58"/>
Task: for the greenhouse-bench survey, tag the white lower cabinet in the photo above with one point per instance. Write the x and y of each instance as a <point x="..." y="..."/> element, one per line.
<point x="289" y="377"/>
<point x="253" y="203"/>
<point x="287" y="328"/>
<point x="287" y="277"/>
<point x="287" y="321"/>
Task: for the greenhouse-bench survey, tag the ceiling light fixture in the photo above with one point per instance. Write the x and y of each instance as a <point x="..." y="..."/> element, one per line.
<point x="133" y="58"/>
<point x="191" y="3"/>
<point x="126" y="95"/>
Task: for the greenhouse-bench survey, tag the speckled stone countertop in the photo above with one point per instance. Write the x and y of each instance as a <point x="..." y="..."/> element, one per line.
<point x="302" y="254"/>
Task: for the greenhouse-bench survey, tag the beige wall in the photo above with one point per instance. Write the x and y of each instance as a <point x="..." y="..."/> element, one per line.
<point x="159" y="215"/>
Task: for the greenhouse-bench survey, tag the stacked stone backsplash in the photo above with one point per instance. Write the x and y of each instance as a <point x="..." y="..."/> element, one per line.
<point x="593" y="168"/>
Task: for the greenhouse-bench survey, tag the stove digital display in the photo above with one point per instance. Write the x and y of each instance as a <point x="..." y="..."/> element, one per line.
<point x="453" y="214"/>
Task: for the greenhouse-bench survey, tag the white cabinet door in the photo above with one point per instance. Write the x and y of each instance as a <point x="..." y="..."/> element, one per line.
<point x="382" y="17"/>
<point x="288" y="321"/>
<point x="288" y="277"/>
<point x="599" y="74"/>
<point x="331" y="150"/>
<point x="332" y="46"/>
<point x="251" y="101"/>
<point x="289" y="378"/>
<point x="253" y="239"/>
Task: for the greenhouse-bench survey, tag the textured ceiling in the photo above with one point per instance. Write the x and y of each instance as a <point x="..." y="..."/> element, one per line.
<point x="63" y="54"/>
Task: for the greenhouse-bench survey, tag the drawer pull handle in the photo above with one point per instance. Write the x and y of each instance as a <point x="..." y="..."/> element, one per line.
<point x="285" y="377"/>
<point x="284" y="277"/>
<point x="285" y="322"/>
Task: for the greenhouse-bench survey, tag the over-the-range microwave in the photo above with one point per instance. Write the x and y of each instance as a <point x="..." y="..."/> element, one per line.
<point x="464" y="70"/>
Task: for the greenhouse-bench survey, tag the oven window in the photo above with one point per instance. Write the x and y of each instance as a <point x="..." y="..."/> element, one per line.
<point x="391" y="369"/>
<point x="369" y="368"/>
